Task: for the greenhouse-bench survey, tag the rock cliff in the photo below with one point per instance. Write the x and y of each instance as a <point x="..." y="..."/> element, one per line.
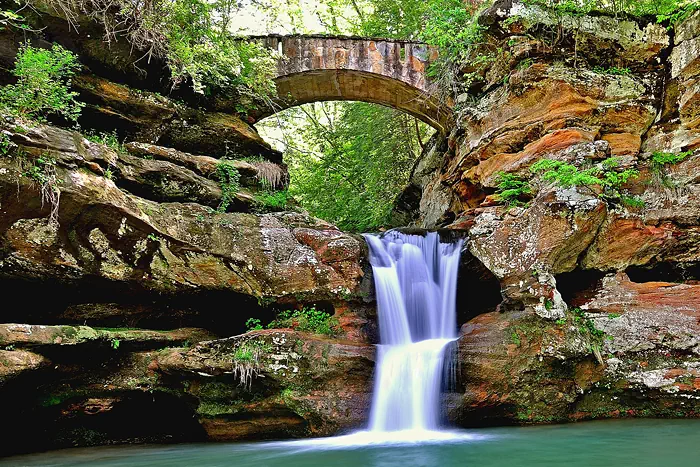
<point x="598" y="317"/>
<point x="126" y="286"/>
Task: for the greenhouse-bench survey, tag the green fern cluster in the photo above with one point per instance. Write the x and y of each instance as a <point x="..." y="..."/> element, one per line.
<point x="568" y="175"/>
<point x="513" y="189"/>
<point x="661" y="159"/>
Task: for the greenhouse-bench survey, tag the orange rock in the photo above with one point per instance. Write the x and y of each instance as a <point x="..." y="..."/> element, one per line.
<point x="623" y="144"/>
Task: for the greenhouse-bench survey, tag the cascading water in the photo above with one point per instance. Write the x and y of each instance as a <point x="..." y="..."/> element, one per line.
<point x="416" y="282"/>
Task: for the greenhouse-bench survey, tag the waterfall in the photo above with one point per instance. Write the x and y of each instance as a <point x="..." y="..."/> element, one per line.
<point x="416" y="283"/>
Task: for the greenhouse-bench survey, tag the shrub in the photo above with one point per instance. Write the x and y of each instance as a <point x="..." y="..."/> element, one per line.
<point x="307" y="320"/>
<point x="568" y="175"/>
<point x="43" y="84"/>
<point x="253" y="324"/>
<point x="605" y="176"/>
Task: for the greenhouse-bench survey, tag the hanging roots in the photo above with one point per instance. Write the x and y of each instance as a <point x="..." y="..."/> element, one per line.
<point x="272" y="176"/>
<point x="246" y="362"/>
<point x="43" y="174"/>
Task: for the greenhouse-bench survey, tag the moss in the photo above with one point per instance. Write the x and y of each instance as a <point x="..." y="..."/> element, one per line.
<point x="214" y="409"/>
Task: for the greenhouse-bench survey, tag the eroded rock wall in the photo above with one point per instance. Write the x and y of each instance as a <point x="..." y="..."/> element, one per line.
<point x="99" y="247"/>
<point x="575" y="337"/>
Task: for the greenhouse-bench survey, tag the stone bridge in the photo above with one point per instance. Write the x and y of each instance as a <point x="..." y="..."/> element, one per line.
<point x="387" y="72"/>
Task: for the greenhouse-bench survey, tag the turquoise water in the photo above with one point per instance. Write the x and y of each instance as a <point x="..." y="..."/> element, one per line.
<point x="638" y="443"/>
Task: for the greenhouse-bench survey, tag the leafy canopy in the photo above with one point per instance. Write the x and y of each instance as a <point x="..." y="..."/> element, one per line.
<point x="348" y="161"/>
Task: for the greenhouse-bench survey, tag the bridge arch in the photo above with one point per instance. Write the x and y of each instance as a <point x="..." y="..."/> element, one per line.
<point x="387" y="72"/>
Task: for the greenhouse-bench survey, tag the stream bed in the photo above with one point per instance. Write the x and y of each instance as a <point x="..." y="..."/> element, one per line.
<point x="636" y="443"/>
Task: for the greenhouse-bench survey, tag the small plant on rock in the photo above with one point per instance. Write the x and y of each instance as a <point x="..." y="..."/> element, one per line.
<point x="513" y="189"/>
<point x="307" y="320"/>
<point x="229" y="181"/>
<point x="43" y="173"/>
<point x="273" y="200"/>
<point x="6" y="144"/>
<point x="659" y="159"/>
<point x="612" y="70"/>
<point x="606" y="176"/>
<point x="253" y="324"/>
<point x="111" y="140"/>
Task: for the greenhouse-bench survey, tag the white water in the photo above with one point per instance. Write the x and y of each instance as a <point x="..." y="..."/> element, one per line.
<point x="416" y="283"/>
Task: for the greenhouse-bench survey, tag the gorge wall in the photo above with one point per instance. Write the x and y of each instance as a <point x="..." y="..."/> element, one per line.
<point x="599" y="315"/>
<point x="125" y="298"/>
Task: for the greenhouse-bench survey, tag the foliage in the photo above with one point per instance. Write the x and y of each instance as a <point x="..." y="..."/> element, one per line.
<point x="661" y="159"/>
<point x="115" y="343"/>
<point x="43" y="84"/>
<point x="512" y="188"/>
<point x="452" y="26"/>
<point x="567" y="175"/>
<point x="672" y="11"/>
<point x="111" y="140"/>
<point x="229" y="181"/>
<point x="612" y="70"/>
<point x="192" y="36"/>
<point x="307" y="320"/>
<point x="6" y="144"/>
<point x="632" y="202"/>
<point x="392" y="19"/>
<point x="348" y="161"/>
<point x="605" y="175"/>
<point x="253" y="324"/>
<point x="12" y="18"/>
<point x="274" y="200"/>
<point x="43" y="173"/>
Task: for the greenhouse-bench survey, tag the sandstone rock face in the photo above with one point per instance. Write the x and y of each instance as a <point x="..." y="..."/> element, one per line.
<point x="265" y="384"/>
<point x="324" y="385"/>
<point x="163" y="247"/>
<point x="574" y="337"/>
<point x="151" y="118"/>
<point x="94" y="235"/>
<point x="135" y="113"/>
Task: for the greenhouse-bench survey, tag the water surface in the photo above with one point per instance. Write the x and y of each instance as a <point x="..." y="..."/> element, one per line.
<point x="638" y="443"/>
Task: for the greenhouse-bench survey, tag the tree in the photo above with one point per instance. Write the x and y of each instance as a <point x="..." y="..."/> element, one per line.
<point x="348" y="161"/>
